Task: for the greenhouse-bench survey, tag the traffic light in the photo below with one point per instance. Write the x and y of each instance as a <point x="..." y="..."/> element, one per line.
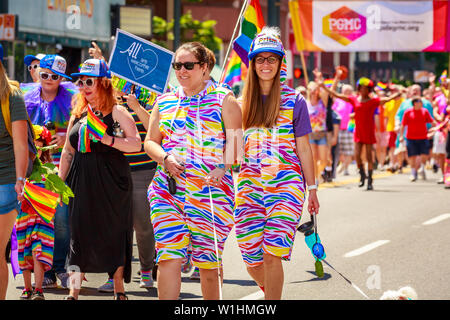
<point x="297" y="73"/>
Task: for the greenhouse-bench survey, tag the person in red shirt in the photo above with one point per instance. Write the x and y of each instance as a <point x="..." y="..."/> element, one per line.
<point x="364" y="114"/>
<point x="416" y="120"/>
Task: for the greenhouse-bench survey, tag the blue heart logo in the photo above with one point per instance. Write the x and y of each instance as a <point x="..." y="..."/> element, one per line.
<point x="144" y="65"/>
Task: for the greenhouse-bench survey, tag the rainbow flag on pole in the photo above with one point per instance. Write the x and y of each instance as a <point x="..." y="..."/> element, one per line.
<point x="94" y="125"/>
<point x="381" y="85"/>
<point x="328" y="83"/>
<point x="40" y="200"/>
<point x="251" y="25"/>
<point x="235" y="71"/>
<point x="443" y="77"/>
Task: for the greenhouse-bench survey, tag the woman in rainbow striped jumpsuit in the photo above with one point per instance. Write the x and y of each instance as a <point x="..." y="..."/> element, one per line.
<point x="277" y="161"/>
<point x="187" y="137"/>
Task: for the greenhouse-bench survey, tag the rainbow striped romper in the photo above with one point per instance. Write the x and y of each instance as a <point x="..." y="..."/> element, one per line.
<point x="192" y="130"/>
<point x="271" y="189"/>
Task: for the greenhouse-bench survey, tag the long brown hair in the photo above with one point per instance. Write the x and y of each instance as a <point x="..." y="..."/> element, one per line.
<point x="106" y="96"/>
<point x="255" y="113"/>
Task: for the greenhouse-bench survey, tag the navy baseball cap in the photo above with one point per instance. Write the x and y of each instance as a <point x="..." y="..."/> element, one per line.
<point x="93" y="68"/>
<point x="30" y="58"/>
<point x="56" y="64"/>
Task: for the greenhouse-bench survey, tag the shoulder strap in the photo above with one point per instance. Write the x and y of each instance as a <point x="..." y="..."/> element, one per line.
<point x="6" y="114"/>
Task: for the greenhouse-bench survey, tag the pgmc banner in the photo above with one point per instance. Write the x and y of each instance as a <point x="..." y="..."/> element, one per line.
<point x="371" y="25"/>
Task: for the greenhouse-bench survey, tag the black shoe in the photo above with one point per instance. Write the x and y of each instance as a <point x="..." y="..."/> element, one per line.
<point x="369" y="181"/>
<point x="362" y="174"/>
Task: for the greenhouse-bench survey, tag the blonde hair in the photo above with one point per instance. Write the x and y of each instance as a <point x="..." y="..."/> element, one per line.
<point x="7" y="86"/>
<point x="255" y="113"/>
<point x="107" y="98"/>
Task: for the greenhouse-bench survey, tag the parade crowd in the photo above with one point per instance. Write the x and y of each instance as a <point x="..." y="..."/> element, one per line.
<point x="165" y="171"/>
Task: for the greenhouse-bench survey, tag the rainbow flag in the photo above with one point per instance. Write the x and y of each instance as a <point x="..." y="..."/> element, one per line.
<point x="251" y="25"/>
<point x="443" y="77"/>
<point x="94" y="125"/>
<point x="351" y="125"/>
<point x="40" y="200"/>
<point x="235" y="71"/>
<point x="328" y="82"/>
<point x="381" y="85"/>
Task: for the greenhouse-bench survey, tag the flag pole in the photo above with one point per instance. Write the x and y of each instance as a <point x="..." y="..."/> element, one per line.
<point x="298" y="35"/>
<point x="244" y="6"/>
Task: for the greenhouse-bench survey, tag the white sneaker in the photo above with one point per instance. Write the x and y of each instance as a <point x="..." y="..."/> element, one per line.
<point x="413" y="178"/>
<point x="48" y="283"/>
<point x="146" y="283"/>
<point x="422" y="174"/>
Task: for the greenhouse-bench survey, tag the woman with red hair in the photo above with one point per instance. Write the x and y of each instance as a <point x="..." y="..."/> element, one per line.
<point x="99" y="175"/>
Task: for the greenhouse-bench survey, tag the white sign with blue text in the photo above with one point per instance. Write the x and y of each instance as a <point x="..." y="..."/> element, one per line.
<point x="140" y="62"/>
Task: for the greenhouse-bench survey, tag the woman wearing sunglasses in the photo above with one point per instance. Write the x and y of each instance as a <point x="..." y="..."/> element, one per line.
<point x="99" y="175"/>
<point x="48" y="104"/>
<point x="277" y="161"/>
<point x="187" y="138"/>
<point x="32" y="63"/>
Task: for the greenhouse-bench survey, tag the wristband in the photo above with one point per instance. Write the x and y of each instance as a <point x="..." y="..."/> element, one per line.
<point x="312" y="187"/>
<point x="21" y="179"/>
<point x="112" y="142"/>
<point x="164" y="160"/>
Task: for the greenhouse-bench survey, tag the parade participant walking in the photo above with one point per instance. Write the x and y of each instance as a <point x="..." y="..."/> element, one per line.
<point x="142" y="171"/>
<point x="365" y="107"/>
<point x="416" y="120"/>
<point x="32" y="63"/>
<point x="317" y="108"/>
<point x="35" y="235"/>
<point x="13" y="162"/>
<point x="390" y="110"/>
<point x="345" y="138"/>
<point x="277" y="161"/>
<point x="99" y="175"/>
<point x="187" y="137"/>
<point x="49" y="104"/>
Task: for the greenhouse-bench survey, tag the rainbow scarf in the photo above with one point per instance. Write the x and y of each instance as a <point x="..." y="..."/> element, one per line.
<point x="40" y="201"/>
<point x="381" y="85"/>
<point x="252" y="24"/>
<point x="94" y="127"/>
<point x="145" y="97"/>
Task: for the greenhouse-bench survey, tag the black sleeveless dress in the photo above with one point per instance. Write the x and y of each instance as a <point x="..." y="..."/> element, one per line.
<point x="100" y="214"/>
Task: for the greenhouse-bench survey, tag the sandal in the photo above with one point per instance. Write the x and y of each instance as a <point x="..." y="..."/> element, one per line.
<point x="120" y="296"/>
<point x="69" y="298"/>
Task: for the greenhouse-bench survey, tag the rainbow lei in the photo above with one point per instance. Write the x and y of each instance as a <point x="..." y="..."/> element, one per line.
<point x="144" y="96"/>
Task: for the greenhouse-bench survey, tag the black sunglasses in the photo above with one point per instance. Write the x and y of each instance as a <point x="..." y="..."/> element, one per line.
<point x="186" y="65"/>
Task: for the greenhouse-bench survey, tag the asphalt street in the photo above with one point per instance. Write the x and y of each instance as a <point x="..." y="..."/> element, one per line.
<point x="379" y="240"/>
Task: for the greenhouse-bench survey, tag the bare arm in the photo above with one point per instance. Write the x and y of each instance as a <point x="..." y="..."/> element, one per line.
<point x="20" y="145"/>
<point x="67" y="154"/>
<point x="386" y="99"/>
<point x="306" y="159"/>
<point x="334" y="93"/>
<point x="152" y="146"/>
<point x="131" y="142"/>
<point x="142" y="114"/>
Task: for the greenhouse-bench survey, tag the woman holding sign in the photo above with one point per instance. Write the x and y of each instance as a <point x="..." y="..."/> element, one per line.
<point x="100" y="215"/>
<point x="192" y="194"/>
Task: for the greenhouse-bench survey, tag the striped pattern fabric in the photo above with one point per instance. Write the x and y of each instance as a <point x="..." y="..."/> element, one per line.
<point x="140" y="160"/>
<point x="270" y="188"/>
<point x="193" y="132"/>
<point x="34" y="235"/>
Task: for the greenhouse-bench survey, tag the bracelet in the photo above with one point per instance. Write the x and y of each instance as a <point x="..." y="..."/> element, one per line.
<point x="21" y="179"/>
<point x="112" y="142"/>
<point x="164" y="160"/>
<point x="312" y="187"/>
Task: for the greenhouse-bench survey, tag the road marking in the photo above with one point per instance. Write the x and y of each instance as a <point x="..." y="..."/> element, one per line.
<point x="366" y="248"/>
<point x="254" y="296"/>
<point x="437" y="219"/>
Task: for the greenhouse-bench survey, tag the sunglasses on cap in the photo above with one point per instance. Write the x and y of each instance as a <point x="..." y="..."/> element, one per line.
<point x="46" y="76"/>
<point x="31" y="67"/>
<point x="89" y="82"/>
<point x="271" y="60"/>
<point x="187" y="65"/>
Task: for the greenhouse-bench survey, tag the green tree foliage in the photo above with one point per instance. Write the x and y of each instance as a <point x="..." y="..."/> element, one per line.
<point x="190" y="30"/>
